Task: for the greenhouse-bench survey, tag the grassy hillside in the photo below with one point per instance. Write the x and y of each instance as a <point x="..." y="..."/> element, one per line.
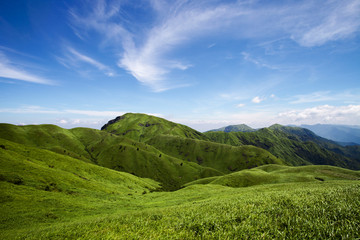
<point x="222" y="157"/>
<point x="42" y="187"/>
<point x="296" y="146"/>
<point x="188" y="145"/>
<point x="176" y="156"/>
<point x="109" y="150"/>
<point x="316" y="210"/>
<point x="46" y="136"/>
<point x="234" y="128"/>
<point x="142" y="127"/>
<point x="270" y="174"/>
<point x="47" y="195"/>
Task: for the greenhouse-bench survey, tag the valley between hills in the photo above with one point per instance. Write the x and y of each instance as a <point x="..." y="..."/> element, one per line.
<point x="144" y="177"/>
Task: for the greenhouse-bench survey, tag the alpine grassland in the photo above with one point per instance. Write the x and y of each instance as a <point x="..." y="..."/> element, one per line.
<point x="143" y="177"/>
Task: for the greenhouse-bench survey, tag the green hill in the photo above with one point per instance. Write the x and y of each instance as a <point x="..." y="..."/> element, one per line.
<point x="222" y="157"/>
<point x="40" y="187"/>
<point x="46" y="195"/>
<point x="51" y="187"/>
<point x="142" y="127"/>
<point x="109" y="150"/>
<point x="271" y="174"/>
<point x="173" y="154"/>
<point x="188" y="145"/>
<point x="296" y="146"/>
<point x="234" y="128"/>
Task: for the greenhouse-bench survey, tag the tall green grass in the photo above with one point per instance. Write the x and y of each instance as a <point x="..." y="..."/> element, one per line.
<point x="327" y="210"/>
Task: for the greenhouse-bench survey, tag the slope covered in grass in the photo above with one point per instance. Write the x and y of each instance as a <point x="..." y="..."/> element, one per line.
<point x="109" y="150"/>
<point x="234" y="128"/>
<point x="47" y="195"/>
<point x="46" y="136"/>
<point x="296" y="146"/>
<point x="40" y="187"/>
<point x="327" y="210"/>
<point x="222" y="157"/>
<point x="142" y="127"/>
<point x="188" y="145"/>
<point x="271" y="174"/>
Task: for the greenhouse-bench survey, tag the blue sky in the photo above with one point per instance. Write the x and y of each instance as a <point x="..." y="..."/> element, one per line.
<point x="202" y="63"/>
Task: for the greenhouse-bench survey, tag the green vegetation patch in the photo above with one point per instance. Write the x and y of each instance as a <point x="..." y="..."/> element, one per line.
<point x="270" y="174"/>
<point x="326" y="210"/>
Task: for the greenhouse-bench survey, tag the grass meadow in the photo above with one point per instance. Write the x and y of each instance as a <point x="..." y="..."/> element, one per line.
<point x="315" y="210"/>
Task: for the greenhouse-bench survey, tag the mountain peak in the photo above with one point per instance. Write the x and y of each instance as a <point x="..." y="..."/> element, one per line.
<point x="234" y="128"/>
<point x="142" y="127"/>
<point x="119" y="118"/>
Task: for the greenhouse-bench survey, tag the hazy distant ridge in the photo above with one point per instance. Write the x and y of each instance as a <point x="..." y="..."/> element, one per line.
<point x="347" y="135"/>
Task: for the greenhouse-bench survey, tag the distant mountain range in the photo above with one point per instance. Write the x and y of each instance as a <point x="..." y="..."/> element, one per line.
<point x="343" y="134"/>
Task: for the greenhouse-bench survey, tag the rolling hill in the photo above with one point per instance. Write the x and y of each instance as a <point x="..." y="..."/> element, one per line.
<point x="296" y="146"/>
<point x="274" y="174"/>
<point x="188" y="145"/>
<point x="85" y="183"/>
<point x="108" y="150"/>
<point x="142" y="127"/>
<point x="234" y="128"/>
<point x="170" y="153"/>
<point x="174" y="154"/>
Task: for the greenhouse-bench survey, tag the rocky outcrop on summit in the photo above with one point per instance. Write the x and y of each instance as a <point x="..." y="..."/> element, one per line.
<point x="115" y="120"/>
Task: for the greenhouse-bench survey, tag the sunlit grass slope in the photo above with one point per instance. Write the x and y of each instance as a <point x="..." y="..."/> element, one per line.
<point x="46" y="136"/>
<point x="40" y="187"/>
<point x="234" y="128"/>
<point x="296" y="146"/>
<point x="142" y="127"/>
<point x="46" y="195"/>
<point x="222" y="157"/>
<point x="124" y="154"/>
<point x="270" y="174"/>
<point x="111" y="151"/>
<point x="315" y="210"/>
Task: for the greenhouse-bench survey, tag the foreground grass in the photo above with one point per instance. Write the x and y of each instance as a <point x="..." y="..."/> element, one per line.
<point x="316" y="210"/>
<point x="45" y="195"/>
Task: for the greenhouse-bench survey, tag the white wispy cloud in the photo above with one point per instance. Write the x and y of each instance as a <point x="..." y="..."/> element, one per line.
<point x="257" y="99"/>
<point x="94" y="113"/>
<point x="240" y="105"/>
<point x="44" y="110"/>
<point x="327" y="96"/>
<point x="77" y="122"/>
<point x="73" y="57"/>
<point x="180" y="24"/>
<point x="10" y="70"/>
<point x="338" y="20"/>
<point x="258" y="62"/>
<point x="66" y="112"/>
<point x="312" y="97"/>
<point x="144" y="50"/>
<point x="30" y="110"/>
<point x="349" y="114"/>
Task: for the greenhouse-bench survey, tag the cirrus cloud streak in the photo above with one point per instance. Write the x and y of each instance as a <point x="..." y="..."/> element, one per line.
<point x="144" y="50"/>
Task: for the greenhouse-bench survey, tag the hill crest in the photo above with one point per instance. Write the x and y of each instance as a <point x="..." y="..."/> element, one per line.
<point x="234" y="128"/>
<point x="142" y="127"/>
